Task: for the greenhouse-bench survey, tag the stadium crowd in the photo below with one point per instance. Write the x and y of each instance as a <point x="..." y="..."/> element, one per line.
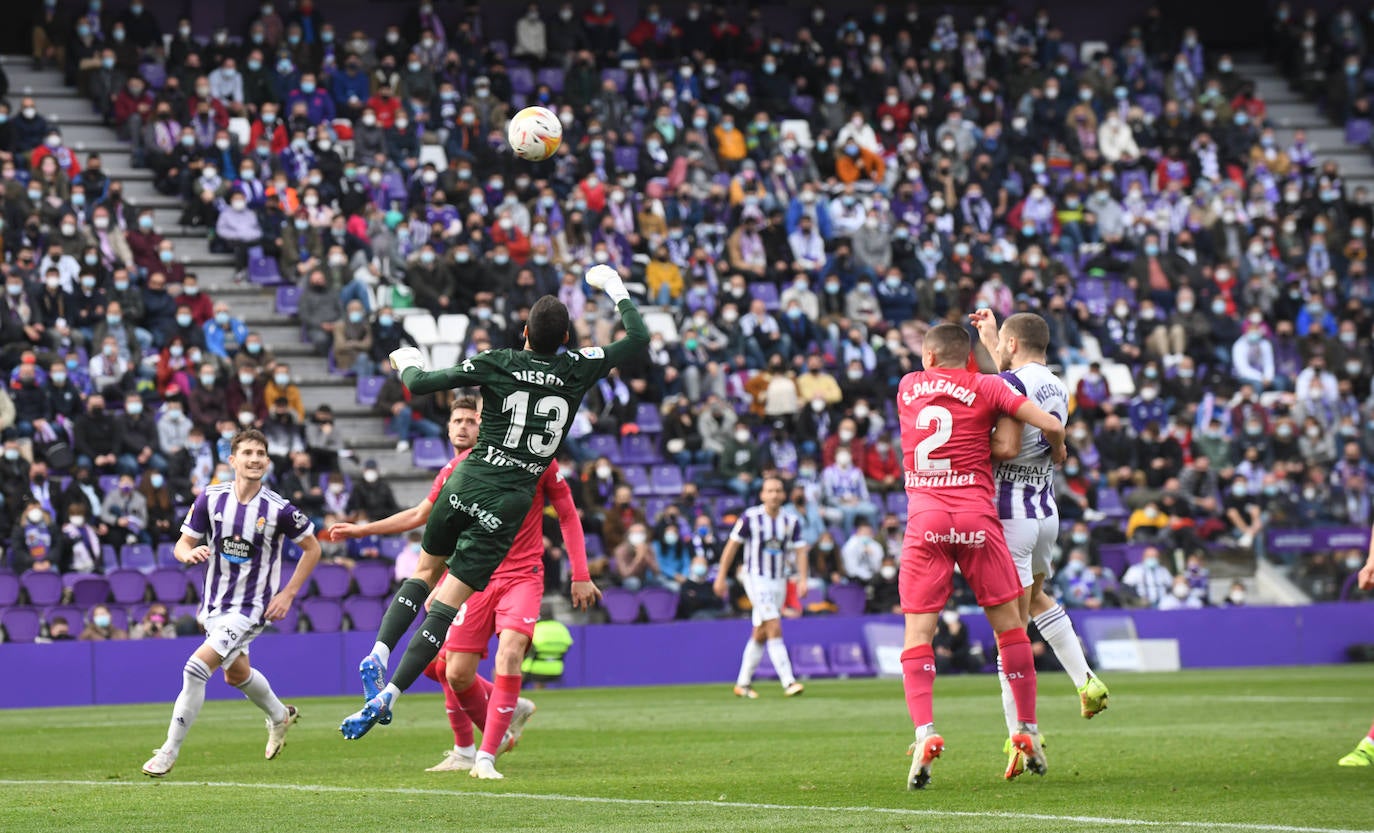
<point x="804" y="203"/>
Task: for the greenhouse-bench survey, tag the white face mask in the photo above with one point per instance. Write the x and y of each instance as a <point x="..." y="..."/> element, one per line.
<point x="637" y="539"/>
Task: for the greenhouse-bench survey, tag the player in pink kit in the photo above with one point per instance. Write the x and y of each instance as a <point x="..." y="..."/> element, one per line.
<point x="947" y="415"/>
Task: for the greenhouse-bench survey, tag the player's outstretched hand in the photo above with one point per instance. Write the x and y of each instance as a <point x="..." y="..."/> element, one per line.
<point x="280" y="606"/>
<point x="336" y="533"/>
<point x="197" y="555"/>
<point x="608" y="280"/>
<point x="1367" y="576"/>
<point x="407" y="357"/>
<point x="585" y="594"/>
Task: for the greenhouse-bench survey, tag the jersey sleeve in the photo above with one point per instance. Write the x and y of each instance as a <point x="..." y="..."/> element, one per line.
<point x="469" y="373"/>
<point x="559" y="495"/>
<point x="1000" y="395"/>
<point x="293" y="523"/>
<point x="740" y="530"/>
<point x="197" y="523"/>
<point x="595" y="362"/>
<point x="440" y="479"/>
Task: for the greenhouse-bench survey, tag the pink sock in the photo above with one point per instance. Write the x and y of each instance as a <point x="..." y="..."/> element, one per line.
<point x="918" y="679"/>
<point x="458" y="719"/>
<point x="1018" y="663"/>
<point x="474" y="702"/>
<point x="504" y="693"/>
<point x="1371" y="733"/>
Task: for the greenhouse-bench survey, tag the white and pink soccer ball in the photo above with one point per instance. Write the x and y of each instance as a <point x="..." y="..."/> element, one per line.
<point x="534" y="134"/>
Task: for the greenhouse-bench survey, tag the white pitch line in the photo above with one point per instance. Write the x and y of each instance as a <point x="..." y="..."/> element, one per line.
<point x="670" y="802"/>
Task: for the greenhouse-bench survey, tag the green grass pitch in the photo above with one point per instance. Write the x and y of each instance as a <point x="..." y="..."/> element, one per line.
<point x="1249" y="750"/>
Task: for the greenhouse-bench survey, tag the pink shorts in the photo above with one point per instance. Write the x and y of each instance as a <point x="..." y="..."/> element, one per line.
<point x="508" y="602"/>
<point x="935" y="541"/>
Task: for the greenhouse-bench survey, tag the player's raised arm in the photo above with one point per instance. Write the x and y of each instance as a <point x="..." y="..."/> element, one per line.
<point x="636" y="339"/>
<point x="985" y="350"/>
<point x="410" y="363"/>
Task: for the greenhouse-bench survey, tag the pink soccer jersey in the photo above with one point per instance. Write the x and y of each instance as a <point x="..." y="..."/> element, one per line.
<point x="442" y="477"/>
<point x="947" y="417"/>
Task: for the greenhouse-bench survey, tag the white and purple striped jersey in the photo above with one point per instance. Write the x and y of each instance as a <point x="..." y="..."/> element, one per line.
<point x="770" y="542"/>
<point x="246" y="542"/>
<point x="1025" y="483"/>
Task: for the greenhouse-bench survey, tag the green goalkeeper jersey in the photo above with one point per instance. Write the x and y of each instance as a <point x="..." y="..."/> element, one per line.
<point x="528" y="399"/>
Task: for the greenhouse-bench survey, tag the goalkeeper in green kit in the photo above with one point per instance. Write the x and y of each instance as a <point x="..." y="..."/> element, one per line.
<point x="529" y="398"/>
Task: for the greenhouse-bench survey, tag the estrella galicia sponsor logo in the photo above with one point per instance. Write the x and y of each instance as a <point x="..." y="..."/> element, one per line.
<point x="235" y="550"/>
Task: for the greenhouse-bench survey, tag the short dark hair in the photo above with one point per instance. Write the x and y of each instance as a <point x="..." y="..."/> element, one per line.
<point x="949" y="343"/>
<point x="1029" y="329"/>
<point x="247" y="435"/>
<point x="464" y="403"/>
<point x="547" y="327"/>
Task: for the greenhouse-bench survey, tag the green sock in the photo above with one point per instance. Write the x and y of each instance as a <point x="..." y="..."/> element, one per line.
<point x="425" y="645"/>
<point x="402" y="611"/>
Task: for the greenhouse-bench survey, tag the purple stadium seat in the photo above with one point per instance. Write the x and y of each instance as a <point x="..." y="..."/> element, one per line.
<point x="138" y="557"/>
<point x="331" y="581"/>
<point x="654" y="506"/>
<point x="638" y="479"/>
<point x="364" y="613"/>
<point x="660" y="603"/>
<point x="648" y="419"/>
<point x="369" y="387"/>
<point x="896" y="503"/>
<point x="9" y="589"/>
<point x="1115" y="557"/>
<point x="392" y="547"/>
<point x="325" y="615"/>
<point x="166" y="554"/>
<point x="619" y="76"/>
<point x="290" y="622"/>
<point x="119" y="618"/>
<point x="169" y="585"/>
<point x="431" y="453"/>
<point x="22" y="624"/>
<point x="1357" y="131"/>
<point x="666" y="480"/>
<point x="847" y="660"/>
<point x="154" y="73"/>
<point x="128" y="587"/>
<point x="373" y="576"/>
<point x="627" y="158"/>
<point x="262" y="270"/>
<point x="521" y="80"/>
<point x="109" y="558"/>
<point x="553" y="76"/>
<point x="107" y="483"/>
<point x="288" y="300"/>
<point x="195" y="574"/>
<point x="1109" y="503"/>
<point x="74" y="615"/>
<point x="138" y="611"/>
<point x="640" y="450"/>
<point x="622" y="606"/>
<point x="803" y="104"/>
<point x="595" y="546"/>
<point x="43" y="588"/>
<point x="849" y="599"/>
<point x="603" y="445"/>
<point x="766" y="292"/>
<point x="809" y="661"/>
<point x="698" y="472"/>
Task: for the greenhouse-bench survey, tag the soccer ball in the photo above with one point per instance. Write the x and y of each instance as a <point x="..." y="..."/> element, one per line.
<point x="535" y="133"/>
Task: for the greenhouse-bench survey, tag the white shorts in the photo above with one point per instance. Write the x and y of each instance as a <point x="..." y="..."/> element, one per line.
<point x="229" y="634"/>
<point x="1032" y="541"/>
<point x="766" y="596"/>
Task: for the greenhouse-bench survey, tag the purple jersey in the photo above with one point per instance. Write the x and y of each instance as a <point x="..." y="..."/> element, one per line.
<point x="246" y="541"/>
<point x="770" y="542"/>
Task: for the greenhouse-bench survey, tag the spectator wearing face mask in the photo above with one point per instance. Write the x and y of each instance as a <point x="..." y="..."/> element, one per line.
<point x="844" y="494"/>
<point x="740" y="461"/>
<point x="163" y="521"/>
<point x="635" y="563"/>
<point x="862" y="554"/>
<point x="34" y="543"/>
<point x="1149" y="580"/>
<point x="100" y="627"/>
<point x="1180" y="596"/>
<point x="372" y="495"/>
<point x="125" y="514"/>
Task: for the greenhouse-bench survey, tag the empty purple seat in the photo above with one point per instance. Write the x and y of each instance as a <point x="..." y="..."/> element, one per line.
<point x="392" y="547"/>
<point x="128" y="586"/>
<point x="9" y="590"/>
<point x="654" y="506"/>
<point x="849" y="599"/>
<point x="603" y="445"/>
<point x="896" y="503"/>
<point x="288" y="300"/>
<point x="43" y="588"/>
<point x="649" y="420"/>
<point x="622" y="606"/>
<point x="373" y="577"/>
<point x="331" y="581"/>
<point x="21" y="624"/>
<point x="90" y="590"/>
<point x="169" y="585"/>
<point x="640" y="450"/>
<point x="767" y="292"/>
<point x="638" y="479"/>
<point x="847" y="660"/>
<point x="660" y="603"/>
<point x="553" y="76"/>
<point x="262" y="270"/>
<point x="430" y="453"/>
<point x="1109" y="503"/>
<point x="369" y="387"/>
<point x="325" y="615"/>
<point x="166" y="554"/>
<point x="290" y="622"/>
<point x="195" y="575"/>
<point x="138" y="557"/>
<point x="365" y="613"/>
<point x="627" y="159"/>
<point x="594" y="545"/>
<point x="803" y="104"/>
<point x="666" y="479"/>
<point x="109" y="558"/>
<point x="809" y="661"/>
<point x="698" y="472"/>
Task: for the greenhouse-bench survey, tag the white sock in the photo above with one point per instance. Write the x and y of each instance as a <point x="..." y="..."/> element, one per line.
<point x="395" y="693"/>
<point x="383" y="653"/>
<point x="1057" y="629"/>
<point x="194" y="676"/>
<point x="490" y="757"/>
<point x="782" y="663"/>
<point x="753" y="654"/>
<point x="259" y="690"/>
<point x="1008" y="700"/>
<point x="466" y="751"/>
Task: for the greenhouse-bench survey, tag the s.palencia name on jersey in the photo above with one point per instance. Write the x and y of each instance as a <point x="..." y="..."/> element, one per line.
<point x="931" y="387"/>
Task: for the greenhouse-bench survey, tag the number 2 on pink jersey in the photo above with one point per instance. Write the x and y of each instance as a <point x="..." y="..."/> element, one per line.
<point x="943" y="422"/>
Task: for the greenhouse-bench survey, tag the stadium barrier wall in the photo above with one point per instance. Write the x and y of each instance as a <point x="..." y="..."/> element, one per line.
<point x="304" y="665"/>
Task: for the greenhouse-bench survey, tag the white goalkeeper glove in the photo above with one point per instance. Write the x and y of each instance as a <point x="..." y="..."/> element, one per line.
<point x="407" y="357"/>
<point x="608" y="280"/>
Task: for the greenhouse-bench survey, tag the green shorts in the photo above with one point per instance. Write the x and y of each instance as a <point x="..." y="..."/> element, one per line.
<point x="473" y="525"/>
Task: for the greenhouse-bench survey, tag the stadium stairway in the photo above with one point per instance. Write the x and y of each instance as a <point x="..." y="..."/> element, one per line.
<point x="1289" y="111"/>
<point x="83" y="131"/>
